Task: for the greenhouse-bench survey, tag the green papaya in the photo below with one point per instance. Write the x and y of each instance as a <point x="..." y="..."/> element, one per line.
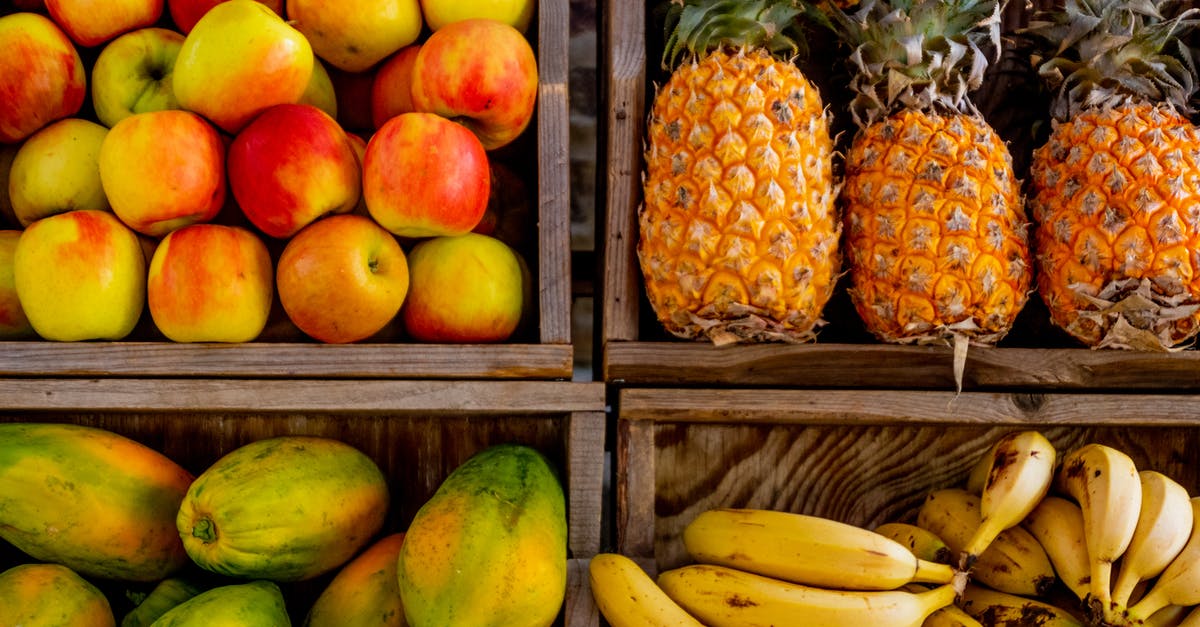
<point x="51" y="595"/>
<point x="165" y="596"/>
<point x="253" y="604"/>
<point x="489" y="549"/>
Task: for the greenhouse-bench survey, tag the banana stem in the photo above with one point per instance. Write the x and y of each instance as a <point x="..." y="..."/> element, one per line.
<point x="1154" y="601"/>
<point x="937" y="598"/>
<point x="1100" y="586"/>
<point x="932" y="572"/>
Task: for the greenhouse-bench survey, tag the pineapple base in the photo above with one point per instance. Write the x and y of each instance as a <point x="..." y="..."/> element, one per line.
<point x="736" y="323"/>
<point x="1129" y="314"/>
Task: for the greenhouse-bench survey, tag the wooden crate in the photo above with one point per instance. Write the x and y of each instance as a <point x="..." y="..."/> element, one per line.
<point x="543" y="351"/>
<point x="416" y="431"/>
<point x="862" y="457"/>
<point x="637" y="351"/>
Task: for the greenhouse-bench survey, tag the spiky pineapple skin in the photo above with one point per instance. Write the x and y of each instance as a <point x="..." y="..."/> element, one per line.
<point x="936" y="230"/>
<point x="1116" y="196"/>
<point x="739" y="229"/>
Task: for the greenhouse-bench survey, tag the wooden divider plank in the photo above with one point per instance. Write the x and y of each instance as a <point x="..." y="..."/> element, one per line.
<point x="554" y="175"/>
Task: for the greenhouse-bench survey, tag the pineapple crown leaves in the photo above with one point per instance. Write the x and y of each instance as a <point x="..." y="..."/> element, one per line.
<point x="695" y="27"/>
<point x="918" y="54"/>
<point x="1101" y="53"/>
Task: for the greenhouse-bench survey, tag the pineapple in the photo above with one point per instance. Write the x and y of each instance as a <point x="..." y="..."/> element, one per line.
<point x="738" y="231"/>
<point x="1115" y="191"/>
<point x="936" y="233"/>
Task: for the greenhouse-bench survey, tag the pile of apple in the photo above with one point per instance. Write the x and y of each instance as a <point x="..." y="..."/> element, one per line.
<point x="208" y="159"/>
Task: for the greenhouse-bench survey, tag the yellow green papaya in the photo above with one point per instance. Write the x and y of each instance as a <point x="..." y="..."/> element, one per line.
<point x="51" y="595"/>
<point x="166" y="595"/>
<point x="254" y="604"/>
<point x="364" y="592"/>
<point x="287" y="508"/>
<point x="90" y="499"/>
<point x="489" y="548"/>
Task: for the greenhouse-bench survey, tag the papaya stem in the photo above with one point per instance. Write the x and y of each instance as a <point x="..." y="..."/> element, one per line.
<point x="205" y="530"/>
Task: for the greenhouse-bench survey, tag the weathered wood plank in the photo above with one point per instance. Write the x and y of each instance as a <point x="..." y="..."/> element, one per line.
<point x="896" y="367"/>
<point x="585" y="454"/>
<point x="635" y="470"/>
<point x="580" y="609"/>
<point x="258" y="360"/>
<point x="554" y="186"/>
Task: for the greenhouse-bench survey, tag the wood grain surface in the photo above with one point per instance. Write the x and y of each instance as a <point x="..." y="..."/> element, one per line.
<point x="553" y="174"/>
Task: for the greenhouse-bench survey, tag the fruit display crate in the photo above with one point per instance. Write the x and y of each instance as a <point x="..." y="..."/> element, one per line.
<point x="541" y="349"/>
<point x="861" y="457"/>
<point x="635" y="350"/>
<point x="416" y="431"/>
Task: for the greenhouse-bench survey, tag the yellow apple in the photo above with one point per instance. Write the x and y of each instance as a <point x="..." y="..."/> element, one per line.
<point x="58" y="170"/>
<point x="239" y="59"/>
<point x="515" y="13"/>
<point x="42" y="78"/>
<point x="342" y="279"/>
<point x="210" y="283"/>
<point x="464" y="289"/>
<point x="14" y="325"/>
<point x="133" y="74"/>
<point x="354" y="35"/>
<point x="80" y="275"/>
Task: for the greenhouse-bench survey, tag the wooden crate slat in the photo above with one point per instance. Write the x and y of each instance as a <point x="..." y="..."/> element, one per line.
<point x="580" y="609"/>
<point x="554" y="228"/>
<point x="635" y="487"/>
<point x="585" y="453"/>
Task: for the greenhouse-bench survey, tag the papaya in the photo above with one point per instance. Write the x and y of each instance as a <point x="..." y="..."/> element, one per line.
<point x="92" y="500"/>
<point x="489" y="548"/>
<point x="254" y="604"/>
<point x="364" y="592"/>
<point x="166" y="595"/>
<point x="286" y="508"/>
<point x="51" y="595"/>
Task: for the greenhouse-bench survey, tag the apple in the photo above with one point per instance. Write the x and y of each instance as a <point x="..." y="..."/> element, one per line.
<point x="354" y="35"/>
<point x="14" y="325"/>
<point x="93" y="22"/>
<point x="163" y="170"/>
<point x="493" y="93"/>
<point x="515" y="13"/>
<point x="391" y="88"/>
<point x="80" y="275"/>
<point x="292" y="165"/>
<point x="133" y="74"/>
<point x="58" y="170"/>
<point x="425" y="176"/>
<point x="360" y="152"/>
<point x="8" y="152"/>
<point x="320" y="92"/>
<point x="353" y="91"/>
<point x="210" y="283"/>
<point x="465" y="289"/>
<point x="185" y="13"/>
<point x="342" y="279"/>
<point x="239" y="59"/>
<point x="41" y="76"/>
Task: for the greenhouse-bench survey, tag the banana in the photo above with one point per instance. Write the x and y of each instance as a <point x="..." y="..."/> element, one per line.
<point x="979" y="472"/>
<point x="1057" y="524"/>
<point x="1191" y="620"/>
<point x="999" y="609"/>
<point x="726" y="597"/>
<point x="951" y="616"/>
<point x="807" y="550"/>
<point x="1105" y="483"/>
<point x="1179" y="583"/>
<point x="628" y="597"/>
<point x="1020" y="470"/>
<point x="1169" y="616"/>
<point x="1163" y="528"/>
<point x="1014" y="562"/>
<point x="923" y="543"/>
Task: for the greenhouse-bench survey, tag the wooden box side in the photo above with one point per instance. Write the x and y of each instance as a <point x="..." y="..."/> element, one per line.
<point x="553" y="184"/>
<point x="864" y="461"/>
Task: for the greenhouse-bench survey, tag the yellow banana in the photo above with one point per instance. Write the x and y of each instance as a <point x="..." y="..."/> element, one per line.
<point x="979" y="472"/>
<point x="628" y="597"/>
<point x="727" y="597"/>
<point x="1020" y="470"/>
<point x="1169" y="616"/>
<point x="1014" y="562"/>
<point x="922" y="542"/>
<point x="999" y="609"/>
<point x="1163" y="528"/>
<point x="1192" y="619"/>
<point x="1057" y="524"/>
<point x="951" y="616"/>
<point x="1179" y="583"/>
<point x="808" y="550"/>
<point x="1104" y="481"/>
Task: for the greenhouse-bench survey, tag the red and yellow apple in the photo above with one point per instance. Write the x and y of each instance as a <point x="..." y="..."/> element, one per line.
<point x="8" y="152"/>
<point x="13" y="323"/>
<point x="185" y="13"/>
<point x="320" y="92"/>
<point x="425" y="176"/>
<point x="515" y="13"/>
<point x="241" y="58"/>
<point x="360" y="152"/>
<point x="41" y="76"/>
<point x="391" y="88"/>
<point x="93" y="22"/>
<point x="133" y="74"/>
<point x="210" y="283"/>
<point x="80" y="275"/>
<point x="342" y="279"/>
<point x="492" y="93"/>
<point x="163" y="170"/>
<point x="58" y="170"/>
<point x="464" y="289"/>
<point x="354" y="35"/>
<point x="292" y="165"/>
